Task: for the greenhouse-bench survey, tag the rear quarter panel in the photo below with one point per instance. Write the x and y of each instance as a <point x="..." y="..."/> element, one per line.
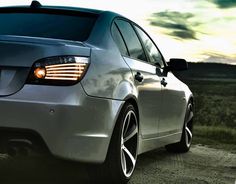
<point x="108" y="75"/>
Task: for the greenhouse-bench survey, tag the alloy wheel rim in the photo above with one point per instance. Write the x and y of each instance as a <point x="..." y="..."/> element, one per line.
<point x="188" y="126"/>
<point x="129" y="143"/>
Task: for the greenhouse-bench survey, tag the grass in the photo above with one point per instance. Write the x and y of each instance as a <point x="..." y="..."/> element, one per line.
<point x="216" y="137"/>
<point x="215" y="113"/>
<point x="214" y="144"/>
<point x="219" y="134"/>
<point x="215" y="103"/>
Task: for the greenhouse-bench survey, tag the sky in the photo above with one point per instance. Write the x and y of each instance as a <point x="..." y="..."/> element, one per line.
<point x="197" y="30"/>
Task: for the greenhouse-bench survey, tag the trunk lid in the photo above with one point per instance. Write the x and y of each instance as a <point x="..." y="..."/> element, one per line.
<point x="18" y="54"/>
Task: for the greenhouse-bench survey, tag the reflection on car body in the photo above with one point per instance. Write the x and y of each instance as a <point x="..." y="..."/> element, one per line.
<point x="92" y="85"/>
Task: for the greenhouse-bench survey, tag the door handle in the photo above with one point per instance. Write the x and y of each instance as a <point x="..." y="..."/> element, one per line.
<point x="163" y="82"/>
<point x="138" y="77"/>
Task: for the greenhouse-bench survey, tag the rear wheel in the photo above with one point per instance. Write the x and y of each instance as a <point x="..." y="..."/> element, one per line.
<point x="122" y="154"/>
<point x="187" y="133"/>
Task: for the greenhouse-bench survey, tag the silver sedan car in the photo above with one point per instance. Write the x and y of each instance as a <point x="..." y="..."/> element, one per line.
<point x="89" y="85"/>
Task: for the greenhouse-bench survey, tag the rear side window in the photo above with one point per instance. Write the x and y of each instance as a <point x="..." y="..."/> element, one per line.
<point x="131" y="39"/>
<point x="119" y="40"/>
<point x="58" y="26"/>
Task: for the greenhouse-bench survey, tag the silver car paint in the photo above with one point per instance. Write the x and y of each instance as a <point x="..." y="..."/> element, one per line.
<point x="86" y="113"/>
<point x="108" y="75"/>
<point x="19" y="53"/>
<point x="174" y="97"/>
<point x="149" y="97"/>
<point x="78" y="129"/>
<point x="33" y="49"/>
<point x="154" y="132"/>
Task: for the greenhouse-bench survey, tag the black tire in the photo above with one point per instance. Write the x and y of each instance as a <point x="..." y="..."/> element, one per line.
<point x="112" y="171"/>
<point x="186" y="139"/>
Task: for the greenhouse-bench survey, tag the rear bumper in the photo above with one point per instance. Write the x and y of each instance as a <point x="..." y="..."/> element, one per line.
<point x="73" y="125"/>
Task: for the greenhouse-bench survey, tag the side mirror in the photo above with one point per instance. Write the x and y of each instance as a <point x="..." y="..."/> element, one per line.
<point x="176" y="64"/>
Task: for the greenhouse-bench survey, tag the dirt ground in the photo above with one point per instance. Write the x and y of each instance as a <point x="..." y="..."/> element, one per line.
<point x="201" y="165"/>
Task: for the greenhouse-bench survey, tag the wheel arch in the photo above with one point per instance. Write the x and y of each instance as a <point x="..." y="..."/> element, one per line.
<point x="133" y="101"/>
<point x="191" y="99"/>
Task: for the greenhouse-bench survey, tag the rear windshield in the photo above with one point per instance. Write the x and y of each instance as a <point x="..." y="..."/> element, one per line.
<point x="68" y="27"/>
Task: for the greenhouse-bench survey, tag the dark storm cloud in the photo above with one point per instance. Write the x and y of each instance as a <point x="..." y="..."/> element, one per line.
<point x="176" y="23"/>
<point x="225" y="3"/>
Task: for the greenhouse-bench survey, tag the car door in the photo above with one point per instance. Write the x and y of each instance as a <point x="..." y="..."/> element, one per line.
<point x="146" y="81"/>
<point x="171" y="113"/>
<point x="173" y="110"/>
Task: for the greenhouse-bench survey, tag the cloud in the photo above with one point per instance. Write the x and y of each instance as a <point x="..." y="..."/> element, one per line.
<point x="219" y="58"/>
<point x="177" y="24"/>
<point x="225" y="3"/>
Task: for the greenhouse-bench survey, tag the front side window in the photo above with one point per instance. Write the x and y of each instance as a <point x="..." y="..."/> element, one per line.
<point x="131" y="39"/>
<point x="153" y="52"/>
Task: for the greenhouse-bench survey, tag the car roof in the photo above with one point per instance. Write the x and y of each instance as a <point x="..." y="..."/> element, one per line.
<point x="58" y="9"/>
<point x="68" y="8"/>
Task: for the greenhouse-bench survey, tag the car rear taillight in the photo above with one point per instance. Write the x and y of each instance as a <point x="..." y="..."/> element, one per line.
<point x="59" y="70"/>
